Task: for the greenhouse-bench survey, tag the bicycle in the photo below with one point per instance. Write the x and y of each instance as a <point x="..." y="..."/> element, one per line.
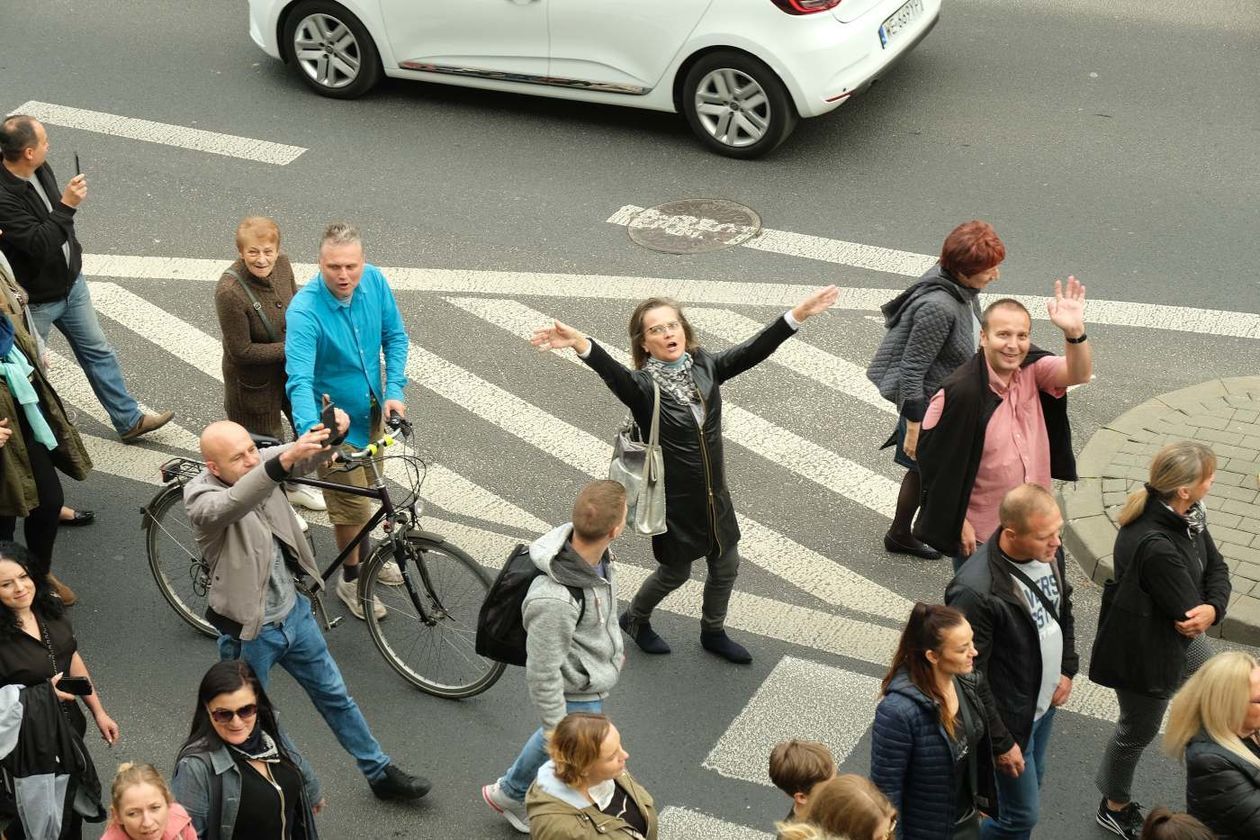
<point x="431" y="613"/>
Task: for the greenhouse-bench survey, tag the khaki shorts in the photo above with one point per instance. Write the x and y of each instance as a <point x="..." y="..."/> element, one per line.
<point x="345" y="508"/>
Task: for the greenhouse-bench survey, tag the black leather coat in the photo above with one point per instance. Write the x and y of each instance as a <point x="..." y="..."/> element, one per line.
<point x="699" y="516"/>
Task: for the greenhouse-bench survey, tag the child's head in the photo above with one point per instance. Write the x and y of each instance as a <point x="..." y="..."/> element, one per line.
<point x="141" y="801"/>
<point x="796" y="766"/>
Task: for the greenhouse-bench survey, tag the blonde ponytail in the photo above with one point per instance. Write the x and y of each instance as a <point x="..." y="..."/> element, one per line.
<point x="1175" y="465"/>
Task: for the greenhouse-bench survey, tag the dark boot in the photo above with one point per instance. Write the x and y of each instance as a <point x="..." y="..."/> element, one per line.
<point x="643" y="635"/>
<point x="717" y="642"/>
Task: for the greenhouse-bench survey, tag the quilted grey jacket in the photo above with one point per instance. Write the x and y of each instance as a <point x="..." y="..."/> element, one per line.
<point x="932" y="329"/>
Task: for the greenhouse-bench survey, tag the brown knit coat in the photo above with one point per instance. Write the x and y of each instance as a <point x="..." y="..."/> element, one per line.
<point x="253" y="365"/>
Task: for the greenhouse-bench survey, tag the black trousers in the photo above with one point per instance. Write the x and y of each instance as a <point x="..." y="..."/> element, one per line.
<point x="40" y="525"/>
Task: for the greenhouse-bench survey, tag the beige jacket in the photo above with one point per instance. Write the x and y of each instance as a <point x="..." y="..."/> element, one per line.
<point x="554" y="815"/>
<point x="234" y="525"/>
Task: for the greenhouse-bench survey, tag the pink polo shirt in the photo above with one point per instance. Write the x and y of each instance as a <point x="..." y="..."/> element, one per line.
<point x="1016" y="445"/>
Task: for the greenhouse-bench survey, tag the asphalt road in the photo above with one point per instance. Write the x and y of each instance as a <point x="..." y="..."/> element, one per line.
<point x="1115" y="142"/>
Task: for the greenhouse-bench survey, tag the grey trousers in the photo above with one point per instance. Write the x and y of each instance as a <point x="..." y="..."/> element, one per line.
<point x="723" y="568"/>
<point x="1140" y="717"/>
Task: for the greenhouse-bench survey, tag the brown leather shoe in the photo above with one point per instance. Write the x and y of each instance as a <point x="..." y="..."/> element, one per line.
<point x="65" y="593"/>
<point x="147" y="423"/>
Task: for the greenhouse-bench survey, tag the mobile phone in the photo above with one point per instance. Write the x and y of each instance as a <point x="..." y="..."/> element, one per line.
<point x="78" y="170"/>
<point x="328" y="416"/>
<point x="78" y="686"/>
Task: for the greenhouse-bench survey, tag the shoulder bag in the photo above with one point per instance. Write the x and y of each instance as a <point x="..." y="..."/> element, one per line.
<point x="254" y="302"/>
<point x="640" y="468"/>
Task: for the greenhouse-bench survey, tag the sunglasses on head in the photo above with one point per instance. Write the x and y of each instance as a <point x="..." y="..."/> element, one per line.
<point x="225" y="716"/>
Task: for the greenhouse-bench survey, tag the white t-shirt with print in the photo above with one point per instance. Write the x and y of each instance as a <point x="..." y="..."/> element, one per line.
<point x="1049" y="633"/>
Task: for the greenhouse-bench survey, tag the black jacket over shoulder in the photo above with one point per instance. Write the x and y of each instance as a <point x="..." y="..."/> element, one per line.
<point x="33" y="237"/>
<point x="1175" y="573"/>
<point x="1006" y="635"/>
<point x="949" y="452"/>
<point x="1222" y="789"/>
<point x="699" y="516"/>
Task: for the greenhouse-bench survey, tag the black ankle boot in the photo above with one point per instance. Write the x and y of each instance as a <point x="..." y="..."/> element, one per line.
<point x="717" y="642"/>
<point x="644" y="636"/>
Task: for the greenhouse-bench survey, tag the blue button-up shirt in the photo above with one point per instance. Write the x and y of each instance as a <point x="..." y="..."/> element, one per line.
<point x="334" y="347"/>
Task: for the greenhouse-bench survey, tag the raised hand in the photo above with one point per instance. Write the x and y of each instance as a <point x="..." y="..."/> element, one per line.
<point x="818" y="301"/>
<point x="1067" y="310"/>
<point x="305" y="446"/>
<point x="559" y="336"/>
<point x="75" y="192"/>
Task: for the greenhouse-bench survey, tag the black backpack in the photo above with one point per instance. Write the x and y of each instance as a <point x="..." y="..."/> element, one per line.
<point x="500" y="627"/>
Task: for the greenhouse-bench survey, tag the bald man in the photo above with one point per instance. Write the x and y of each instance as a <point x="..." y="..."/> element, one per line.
<point x="253" y="542"/>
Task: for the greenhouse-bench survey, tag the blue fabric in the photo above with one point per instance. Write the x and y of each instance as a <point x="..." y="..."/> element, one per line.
<point x="75" y="316"/>
<point x="534" y="755"/>
<point x="1019" y="799"/>
<point x="334" y="347"/>
<point x="912" y="763"/>
<point x="299" y="647"/>
<point x="7" y="334"/>
<point x="16" y="372"/>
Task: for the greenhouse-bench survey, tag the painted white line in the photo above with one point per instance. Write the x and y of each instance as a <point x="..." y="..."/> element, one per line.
<point x="699" y="292"/>
<point x="837" y="251"/>
<point x="798" y="699"/>
<point x="798" y="356"/>
<point x="684" y="824"/>
<point x="228" y="145"/>
<point x="819" y="576"/>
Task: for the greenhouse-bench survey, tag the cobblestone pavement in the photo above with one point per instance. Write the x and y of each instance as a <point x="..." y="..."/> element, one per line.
<point x="1223" y="413"/>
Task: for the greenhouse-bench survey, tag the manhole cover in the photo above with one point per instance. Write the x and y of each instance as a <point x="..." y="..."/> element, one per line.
<point x="694" y="225"/>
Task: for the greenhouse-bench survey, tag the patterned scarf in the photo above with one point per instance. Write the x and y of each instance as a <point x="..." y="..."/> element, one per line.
<point x="258" y="747"/>
<point x="1196" y="516"/>
<point x="674" y="378"/>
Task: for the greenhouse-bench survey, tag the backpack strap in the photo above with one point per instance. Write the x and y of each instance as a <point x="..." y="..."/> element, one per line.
<point x="579" y="595"/>
<point x="254" y="302"/>
<point x="1036" y="590"/>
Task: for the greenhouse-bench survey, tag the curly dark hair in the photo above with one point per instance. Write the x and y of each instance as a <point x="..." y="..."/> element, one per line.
<point x="45" y="605"/>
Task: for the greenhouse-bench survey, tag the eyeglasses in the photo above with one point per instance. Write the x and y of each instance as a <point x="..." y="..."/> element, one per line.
<point x="224" y="716"/>
<point x="661" y="329"/>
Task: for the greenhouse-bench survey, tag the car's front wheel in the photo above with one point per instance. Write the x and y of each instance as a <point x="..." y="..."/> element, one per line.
<point x="736" y="105"/>
<point x="331" y="49"/>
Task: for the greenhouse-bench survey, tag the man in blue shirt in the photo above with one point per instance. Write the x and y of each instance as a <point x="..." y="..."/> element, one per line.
<point x="338" y="328"/>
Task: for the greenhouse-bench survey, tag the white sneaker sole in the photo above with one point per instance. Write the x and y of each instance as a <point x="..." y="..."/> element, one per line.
<point x="352" y="604"/>
<point x="513" y="819"/>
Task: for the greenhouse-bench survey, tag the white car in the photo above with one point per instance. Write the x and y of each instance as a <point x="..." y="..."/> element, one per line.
<point x="741" y="71"/>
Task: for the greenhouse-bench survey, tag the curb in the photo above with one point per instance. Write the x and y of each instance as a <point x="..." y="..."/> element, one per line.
<point x="1222" y="413"/>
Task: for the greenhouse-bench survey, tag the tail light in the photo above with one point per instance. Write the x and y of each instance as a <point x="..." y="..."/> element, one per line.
<point x="805" y="7"/>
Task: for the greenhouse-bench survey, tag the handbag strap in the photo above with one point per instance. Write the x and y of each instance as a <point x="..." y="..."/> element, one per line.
<point x="1036" y="590"/>
<point x="254" y="302"/>
<point x="52" y="656"/>
<point x="654" y="436"/>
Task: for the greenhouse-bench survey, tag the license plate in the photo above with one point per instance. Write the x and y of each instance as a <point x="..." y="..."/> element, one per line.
<point x="899" y="21"/>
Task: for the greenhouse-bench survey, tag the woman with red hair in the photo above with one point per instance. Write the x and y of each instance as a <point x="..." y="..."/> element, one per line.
<point x="933" y="327"/>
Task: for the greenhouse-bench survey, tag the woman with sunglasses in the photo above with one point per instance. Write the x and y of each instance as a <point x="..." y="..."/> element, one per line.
<point x="847" y="806"/>
<point x="937" y="732"/>
<point x="238" y="768"/>
<point x="700" y="518"/>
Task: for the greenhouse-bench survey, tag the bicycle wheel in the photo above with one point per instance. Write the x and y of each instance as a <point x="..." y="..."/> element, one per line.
<point x="438" y="656"/>
<point x="181" y="572"/>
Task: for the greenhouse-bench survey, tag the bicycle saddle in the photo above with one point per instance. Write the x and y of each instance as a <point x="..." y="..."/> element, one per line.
<point x="263" y="441"/>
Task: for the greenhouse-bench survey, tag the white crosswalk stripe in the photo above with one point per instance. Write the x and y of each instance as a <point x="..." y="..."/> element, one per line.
<point x="684" y="824"/>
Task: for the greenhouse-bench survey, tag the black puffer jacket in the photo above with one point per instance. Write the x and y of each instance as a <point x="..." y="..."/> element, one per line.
<point x="1223" y="790"/>
<point x="699" y="516"/>
<point x="1175" y="572"/>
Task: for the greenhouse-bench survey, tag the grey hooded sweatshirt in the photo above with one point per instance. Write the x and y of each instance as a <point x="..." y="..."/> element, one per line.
<point x="566" y="658"/>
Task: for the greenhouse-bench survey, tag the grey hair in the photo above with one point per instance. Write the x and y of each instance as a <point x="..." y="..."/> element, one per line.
<point x="340" y="233"/>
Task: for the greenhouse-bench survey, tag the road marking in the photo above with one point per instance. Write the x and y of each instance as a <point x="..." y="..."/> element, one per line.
<point x="798" y="699"/>
<point x="803" y="457"/>
<point x="813" y="573"/>
<point x="684" y="824"/>
<point x="228" y="145"/>
<point x="798" y="356"/>
<point x="1217" y="322"/>
<point x="838" y="251"/>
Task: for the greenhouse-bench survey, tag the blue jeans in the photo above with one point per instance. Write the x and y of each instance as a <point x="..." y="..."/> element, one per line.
<point x="76" y="318"/>
<point x="534" y="755"/>
<point x="1019" y="800"/>
<point x="299" y="647"/>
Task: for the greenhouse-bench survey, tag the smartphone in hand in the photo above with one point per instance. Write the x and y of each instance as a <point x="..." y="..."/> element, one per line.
<point x="78" y="170"/>
<point x="78" y="686"/>
<point x="328" y="416"/>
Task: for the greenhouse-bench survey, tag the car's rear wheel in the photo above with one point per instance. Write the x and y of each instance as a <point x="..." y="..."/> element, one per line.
<point x="736" y="105"/>
<point x="332" y="51"/>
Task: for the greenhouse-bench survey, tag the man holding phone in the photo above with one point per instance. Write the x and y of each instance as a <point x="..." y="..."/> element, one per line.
<point x="338" y="329"/>
<point x="40" y="243"/>
<point x="254" y="545"/>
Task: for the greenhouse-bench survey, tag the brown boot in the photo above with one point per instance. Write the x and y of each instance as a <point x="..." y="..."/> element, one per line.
<point x="65" y="593"/>
<point x="147" y="423"/>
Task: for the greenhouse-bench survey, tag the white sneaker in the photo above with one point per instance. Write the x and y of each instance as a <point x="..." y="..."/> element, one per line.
<point x="507" y="807"/>
<point x="390" y="574"/>
<point x="348" y="592"/>
<point x="308" y="497"/>
<point x="301" y="520"/>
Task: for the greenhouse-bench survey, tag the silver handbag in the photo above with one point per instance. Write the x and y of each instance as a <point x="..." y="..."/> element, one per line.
<point x="640" y="468"/>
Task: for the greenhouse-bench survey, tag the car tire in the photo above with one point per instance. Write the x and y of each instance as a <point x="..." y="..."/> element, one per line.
<point x="736" y="105"/>
<point x="331" y="50"/>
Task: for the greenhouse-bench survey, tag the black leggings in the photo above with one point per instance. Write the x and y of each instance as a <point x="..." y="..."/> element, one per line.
<point x="40" y="527"/>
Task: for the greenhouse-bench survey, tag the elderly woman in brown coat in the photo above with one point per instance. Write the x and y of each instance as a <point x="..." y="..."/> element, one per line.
<point x="36" y="440"/>
<point x="251" y="300"/>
